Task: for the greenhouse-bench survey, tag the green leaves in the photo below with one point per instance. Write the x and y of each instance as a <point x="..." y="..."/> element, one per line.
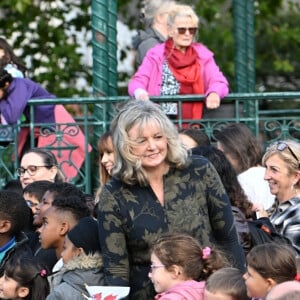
<point x="47" y="36"/>
<point x="53" y="38"/>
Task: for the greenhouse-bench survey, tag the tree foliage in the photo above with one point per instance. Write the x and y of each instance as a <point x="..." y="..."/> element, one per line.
<point x="277" y="29"/>
<point x="47" y="35"/>
<point x="52" y="37"/>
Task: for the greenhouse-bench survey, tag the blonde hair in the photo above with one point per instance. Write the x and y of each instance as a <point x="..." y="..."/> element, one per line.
<point x="128" y="167"/>
<point x="287" y="155"/>
<point x="181" y="10"/>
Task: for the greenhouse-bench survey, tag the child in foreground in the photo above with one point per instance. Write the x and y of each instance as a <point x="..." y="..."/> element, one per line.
<point x="24" y="278"/>
<point x="268" y="265"/>
<point x="226" y="284"/>
<point x="82" y="262"/>
<point x="180" y="266"/>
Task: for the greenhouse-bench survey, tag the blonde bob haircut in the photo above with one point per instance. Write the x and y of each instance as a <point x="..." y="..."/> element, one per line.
<point x="288" y="154"/>
<point x="181" y="10"/>
<point x="128" y="167"/>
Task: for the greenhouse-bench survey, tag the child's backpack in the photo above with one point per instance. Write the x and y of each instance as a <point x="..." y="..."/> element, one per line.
<point x="255" y="232"/>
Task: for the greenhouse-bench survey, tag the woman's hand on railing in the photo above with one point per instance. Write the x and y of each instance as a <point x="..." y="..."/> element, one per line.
<point x="213" y="101"/>
<point x="141" y="94"/>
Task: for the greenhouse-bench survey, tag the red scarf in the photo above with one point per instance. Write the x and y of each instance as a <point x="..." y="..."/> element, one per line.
<point x="187" y="71"/>
<point x="185" y="68"/>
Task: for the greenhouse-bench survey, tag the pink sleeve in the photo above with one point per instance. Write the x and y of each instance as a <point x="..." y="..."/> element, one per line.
<point x="149" y="74"/>
<point x="214" y="80"/>
<point x="141" y="78"/>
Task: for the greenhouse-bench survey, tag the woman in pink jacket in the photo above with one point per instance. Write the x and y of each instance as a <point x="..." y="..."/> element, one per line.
<point x="180" y="66"/>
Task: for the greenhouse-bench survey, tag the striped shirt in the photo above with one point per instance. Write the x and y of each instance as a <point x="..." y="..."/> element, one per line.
<point x="286" y="220"/>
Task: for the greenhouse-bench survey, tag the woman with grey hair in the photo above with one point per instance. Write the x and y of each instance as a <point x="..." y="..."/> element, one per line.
<point x="157" y="187"/>
<point x="154" y="17"/>
<point x="180" y="66"/>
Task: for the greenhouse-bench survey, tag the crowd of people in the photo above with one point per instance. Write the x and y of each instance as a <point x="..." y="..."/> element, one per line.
<point x="170" y="218"/>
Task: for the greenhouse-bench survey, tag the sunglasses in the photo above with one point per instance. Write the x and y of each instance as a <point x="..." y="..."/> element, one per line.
<point x="183" y="30"/>
<point x="281" y="146"/>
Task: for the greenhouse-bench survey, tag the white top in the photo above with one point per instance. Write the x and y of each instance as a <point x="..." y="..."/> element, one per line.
<point x="255" y="187"/>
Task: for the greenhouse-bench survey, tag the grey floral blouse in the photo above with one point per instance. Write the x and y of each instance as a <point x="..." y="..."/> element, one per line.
<point x="130" y="218"/>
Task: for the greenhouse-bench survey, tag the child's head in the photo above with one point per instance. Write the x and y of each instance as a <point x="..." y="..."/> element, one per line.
<point x="13" y="185"/>
<point x="179" y="257"/>
<point x="14" y="214"/>
<point x="83" y="239"/>
<point x="24" y="278"/>
<point x="226" y="284"/>
<point x="288" y="290"/>
<point x="5" y="81"/>
<point x="56" y="189"/>
<point x="59" y="218"/>
<point x="193" y="137"/>
<point x="267" y="265"/>
<point x="33" y="193"/>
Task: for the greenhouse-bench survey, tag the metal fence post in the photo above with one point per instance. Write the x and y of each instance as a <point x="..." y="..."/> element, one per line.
<point x="104" y="43"/>
<point x="243" y="12"/>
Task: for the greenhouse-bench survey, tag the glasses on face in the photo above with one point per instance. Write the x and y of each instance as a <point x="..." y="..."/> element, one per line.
<point x="31" y="170"/>
<point x="183" y="30"/>
<point x="281" y="146"/>
<point x="153" y="267"/>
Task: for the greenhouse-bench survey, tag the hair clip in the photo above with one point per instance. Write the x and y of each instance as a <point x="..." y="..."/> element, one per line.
<point x="297" y="277"/>
<point x="206" y="252"/>
<point x="43" y="273"/>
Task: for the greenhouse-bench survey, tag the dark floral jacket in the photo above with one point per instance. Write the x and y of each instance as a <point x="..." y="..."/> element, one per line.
<point x="130" y="218"/>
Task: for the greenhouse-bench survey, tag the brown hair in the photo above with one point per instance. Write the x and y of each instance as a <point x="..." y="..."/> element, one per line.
<point x="49" y="159"/>
<point x="183" y="250"/>
<point x="274" y="261"/>
<point x="103" y="146"/>
<point x="228" y="281"/>
<point x="198" y="135"/>
<point x="238" y="141"/>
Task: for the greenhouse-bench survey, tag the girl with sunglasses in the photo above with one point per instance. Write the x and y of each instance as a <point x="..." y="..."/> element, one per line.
<point x="180" y="66"/>
<point x="282" y="162"/>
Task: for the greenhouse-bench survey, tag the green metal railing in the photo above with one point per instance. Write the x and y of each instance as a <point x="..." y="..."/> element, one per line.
<point x="267" y="125"/>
